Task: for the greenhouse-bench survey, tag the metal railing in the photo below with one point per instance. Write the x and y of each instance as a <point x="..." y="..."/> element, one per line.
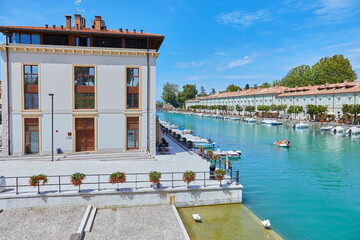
<point x="100" y="182"/>
<point x="232" y="171"/>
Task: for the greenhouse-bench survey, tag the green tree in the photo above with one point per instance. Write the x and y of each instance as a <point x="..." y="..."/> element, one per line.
<point x="250" y="109"/>
<point x="312" y="110"/>
<point x="333" y="69"/>
<point x="265" y="85"/>
<point x="189" y="92"/>
<point x="202" y="92"/>
<point x="159" y="105"/>
<point x="232" y="88"/>
<point x="353" y="109"/>
<point x="322" y="109"/>
<point x="169" y="94"/>
<point x="239" y="108"/>
<point x="298" y="76"/>
<point x="295" y="110"/>
<point x="247" y="86"/>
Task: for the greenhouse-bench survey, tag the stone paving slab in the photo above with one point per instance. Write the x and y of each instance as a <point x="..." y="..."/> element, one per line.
<point x="40" y="223"/>
<point x="152" y="222"/>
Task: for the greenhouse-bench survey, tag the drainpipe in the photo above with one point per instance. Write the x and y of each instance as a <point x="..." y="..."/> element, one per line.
<point x="8" y="89"/>
<point x="148" y="95"/>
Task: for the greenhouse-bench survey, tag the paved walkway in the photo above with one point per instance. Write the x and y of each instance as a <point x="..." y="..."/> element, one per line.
<point x="179" y="160"/>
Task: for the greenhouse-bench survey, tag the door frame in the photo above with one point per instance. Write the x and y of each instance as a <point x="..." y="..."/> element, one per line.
<point x="94" y="116"/>
<point x="38" y="116"/>
<point x="126" y="132"/>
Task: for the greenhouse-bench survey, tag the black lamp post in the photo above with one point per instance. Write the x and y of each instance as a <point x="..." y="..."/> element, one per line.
<point x="52" y="126"/>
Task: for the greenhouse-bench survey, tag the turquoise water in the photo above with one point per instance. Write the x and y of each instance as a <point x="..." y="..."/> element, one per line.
<point x="310" y="191"/>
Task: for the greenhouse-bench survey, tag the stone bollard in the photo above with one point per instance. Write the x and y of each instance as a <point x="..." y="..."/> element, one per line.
<point x="2" y="183"/>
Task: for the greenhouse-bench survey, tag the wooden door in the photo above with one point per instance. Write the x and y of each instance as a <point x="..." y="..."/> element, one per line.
<point x="85" y="134"/>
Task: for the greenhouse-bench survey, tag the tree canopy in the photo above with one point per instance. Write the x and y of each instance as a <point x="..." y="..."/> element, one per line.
<point x="169" y="94"/>
<point x="333" y="69"/>
<point x="232" y="88"/>
<point x="202" y="92"/>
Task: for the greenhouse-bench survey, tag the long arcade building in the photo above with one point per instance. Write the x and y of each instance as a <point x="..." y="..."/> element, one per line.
<point x="334" y="96"/>
<point x="103" y="83"/>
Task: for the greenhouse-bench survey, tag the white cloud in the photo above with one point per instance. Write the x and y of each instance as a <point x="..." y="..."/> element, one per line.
<point x="238" y="63"/>
<point x="190" y="64"/>
<point x="242" y="19"/>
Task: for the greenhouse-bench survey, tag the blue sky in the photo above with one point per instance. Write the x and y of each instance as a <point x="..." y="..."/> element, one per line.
<point x="216" y="43"/>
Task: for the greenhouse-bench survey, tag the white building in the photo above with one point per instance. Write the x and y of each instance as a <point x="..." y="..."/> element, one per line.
<point x="334" y="96"/>
<point x="103" y="83"/>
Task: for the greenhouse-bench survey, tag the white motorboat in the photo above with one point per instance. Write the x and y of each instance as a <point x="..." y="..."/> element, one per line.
<point x="353" y="131"/>
<point x="301" y="125"/>
<point x="196" y="217"/>
<point x="266" y="223"/>
<point x="251" y="120"/>
<point x="230" y="153"/>
<point x="326" y="128"/>
<point x="338" y="130"/>
<point x="271" y="122"/>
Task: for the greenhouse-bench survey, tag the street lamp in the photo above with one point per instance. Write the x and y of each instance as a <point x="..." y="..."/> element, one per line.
<point x="52" y="126"/>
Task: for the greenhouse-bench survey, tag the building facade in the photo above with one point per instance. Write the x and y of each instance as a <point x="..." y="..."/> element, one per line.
<point x="103" y="84"/>
<point x="334" y="96"/>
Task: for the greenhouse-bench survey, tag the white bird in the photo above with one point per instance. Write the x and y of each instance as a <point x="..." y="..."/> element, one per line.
<point x="196" y="217"/>
<point x="266" y="223"/>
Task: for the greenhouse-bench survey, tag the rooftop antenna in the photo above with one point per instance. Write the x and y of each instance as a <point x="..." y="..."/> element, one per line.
<point x="77" y="3"/>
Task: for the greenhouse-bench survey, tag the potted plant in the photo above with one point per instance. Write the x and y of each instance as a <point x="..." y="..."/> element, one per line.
<point x="35" y="180"/>
<point x="154" y="177"/>
<point x="227" y="167"/>
<point x="209" y="153"/>
<point x="77" y="178"/>
<point x="220" y="175"/>
<point x="202" y="150"/>
<point x="188" y="177"/>
<point x="216" y="157"/>
<point x="117" y="177"/>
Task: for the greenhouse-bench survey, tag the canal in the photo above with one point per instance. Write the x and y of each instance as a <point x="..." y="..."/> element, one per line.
<point x="310" y="191"/>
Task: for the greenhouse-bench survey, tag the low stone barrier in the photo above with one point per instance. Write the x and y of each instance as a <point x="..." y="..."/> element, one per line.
<point x="181" y="196"/>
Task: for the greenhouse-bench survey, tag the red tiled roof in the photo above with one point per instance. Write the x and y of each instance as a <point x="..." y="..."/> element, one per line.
<point x="74" y="30"/>
<point x="337" y="88"/>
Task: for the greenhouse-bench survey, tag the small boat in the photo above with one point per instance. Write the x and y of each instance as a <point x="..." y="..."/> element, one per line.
<point x="196" y="217"/>
<point x="338" y="130"/>
<point x="230" y="153"/>
<point x="326" y="129"/>
<point x="188" y="131"/>
<point x="250" y="120"/>
<point x="353" y="131"/>
<point x="281" y="144"/>
<point x="301" y="125"/>
<point x="266" y="223"/>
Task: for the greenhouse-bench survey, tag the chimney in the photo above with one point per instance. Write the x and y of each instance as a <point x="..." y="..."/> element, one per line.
<point x="141" y="31"/>
<point x="120" y="29"/>
<point x="134" y="31"/>
<point x="46" y="26"/>
<point x="276" y="85"/>
<point x="309" y="85"/>
<point x="251" y="88"/>
<point x="77" y="21"/>
<point x="346" y="81"/>
<point x="62" y="27"/>
<point x="327" y="83"/>
<point x="68" y="22"/>
<point x="54" y="26"/>
<point x="98" y="23"/>
<point x="127" y="30"/>
<point x="296" y="86"/>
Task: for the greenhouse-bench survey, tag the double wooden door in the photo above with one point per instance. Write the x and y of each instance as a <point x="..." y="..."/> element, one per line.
<point x="85" y="134"/>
